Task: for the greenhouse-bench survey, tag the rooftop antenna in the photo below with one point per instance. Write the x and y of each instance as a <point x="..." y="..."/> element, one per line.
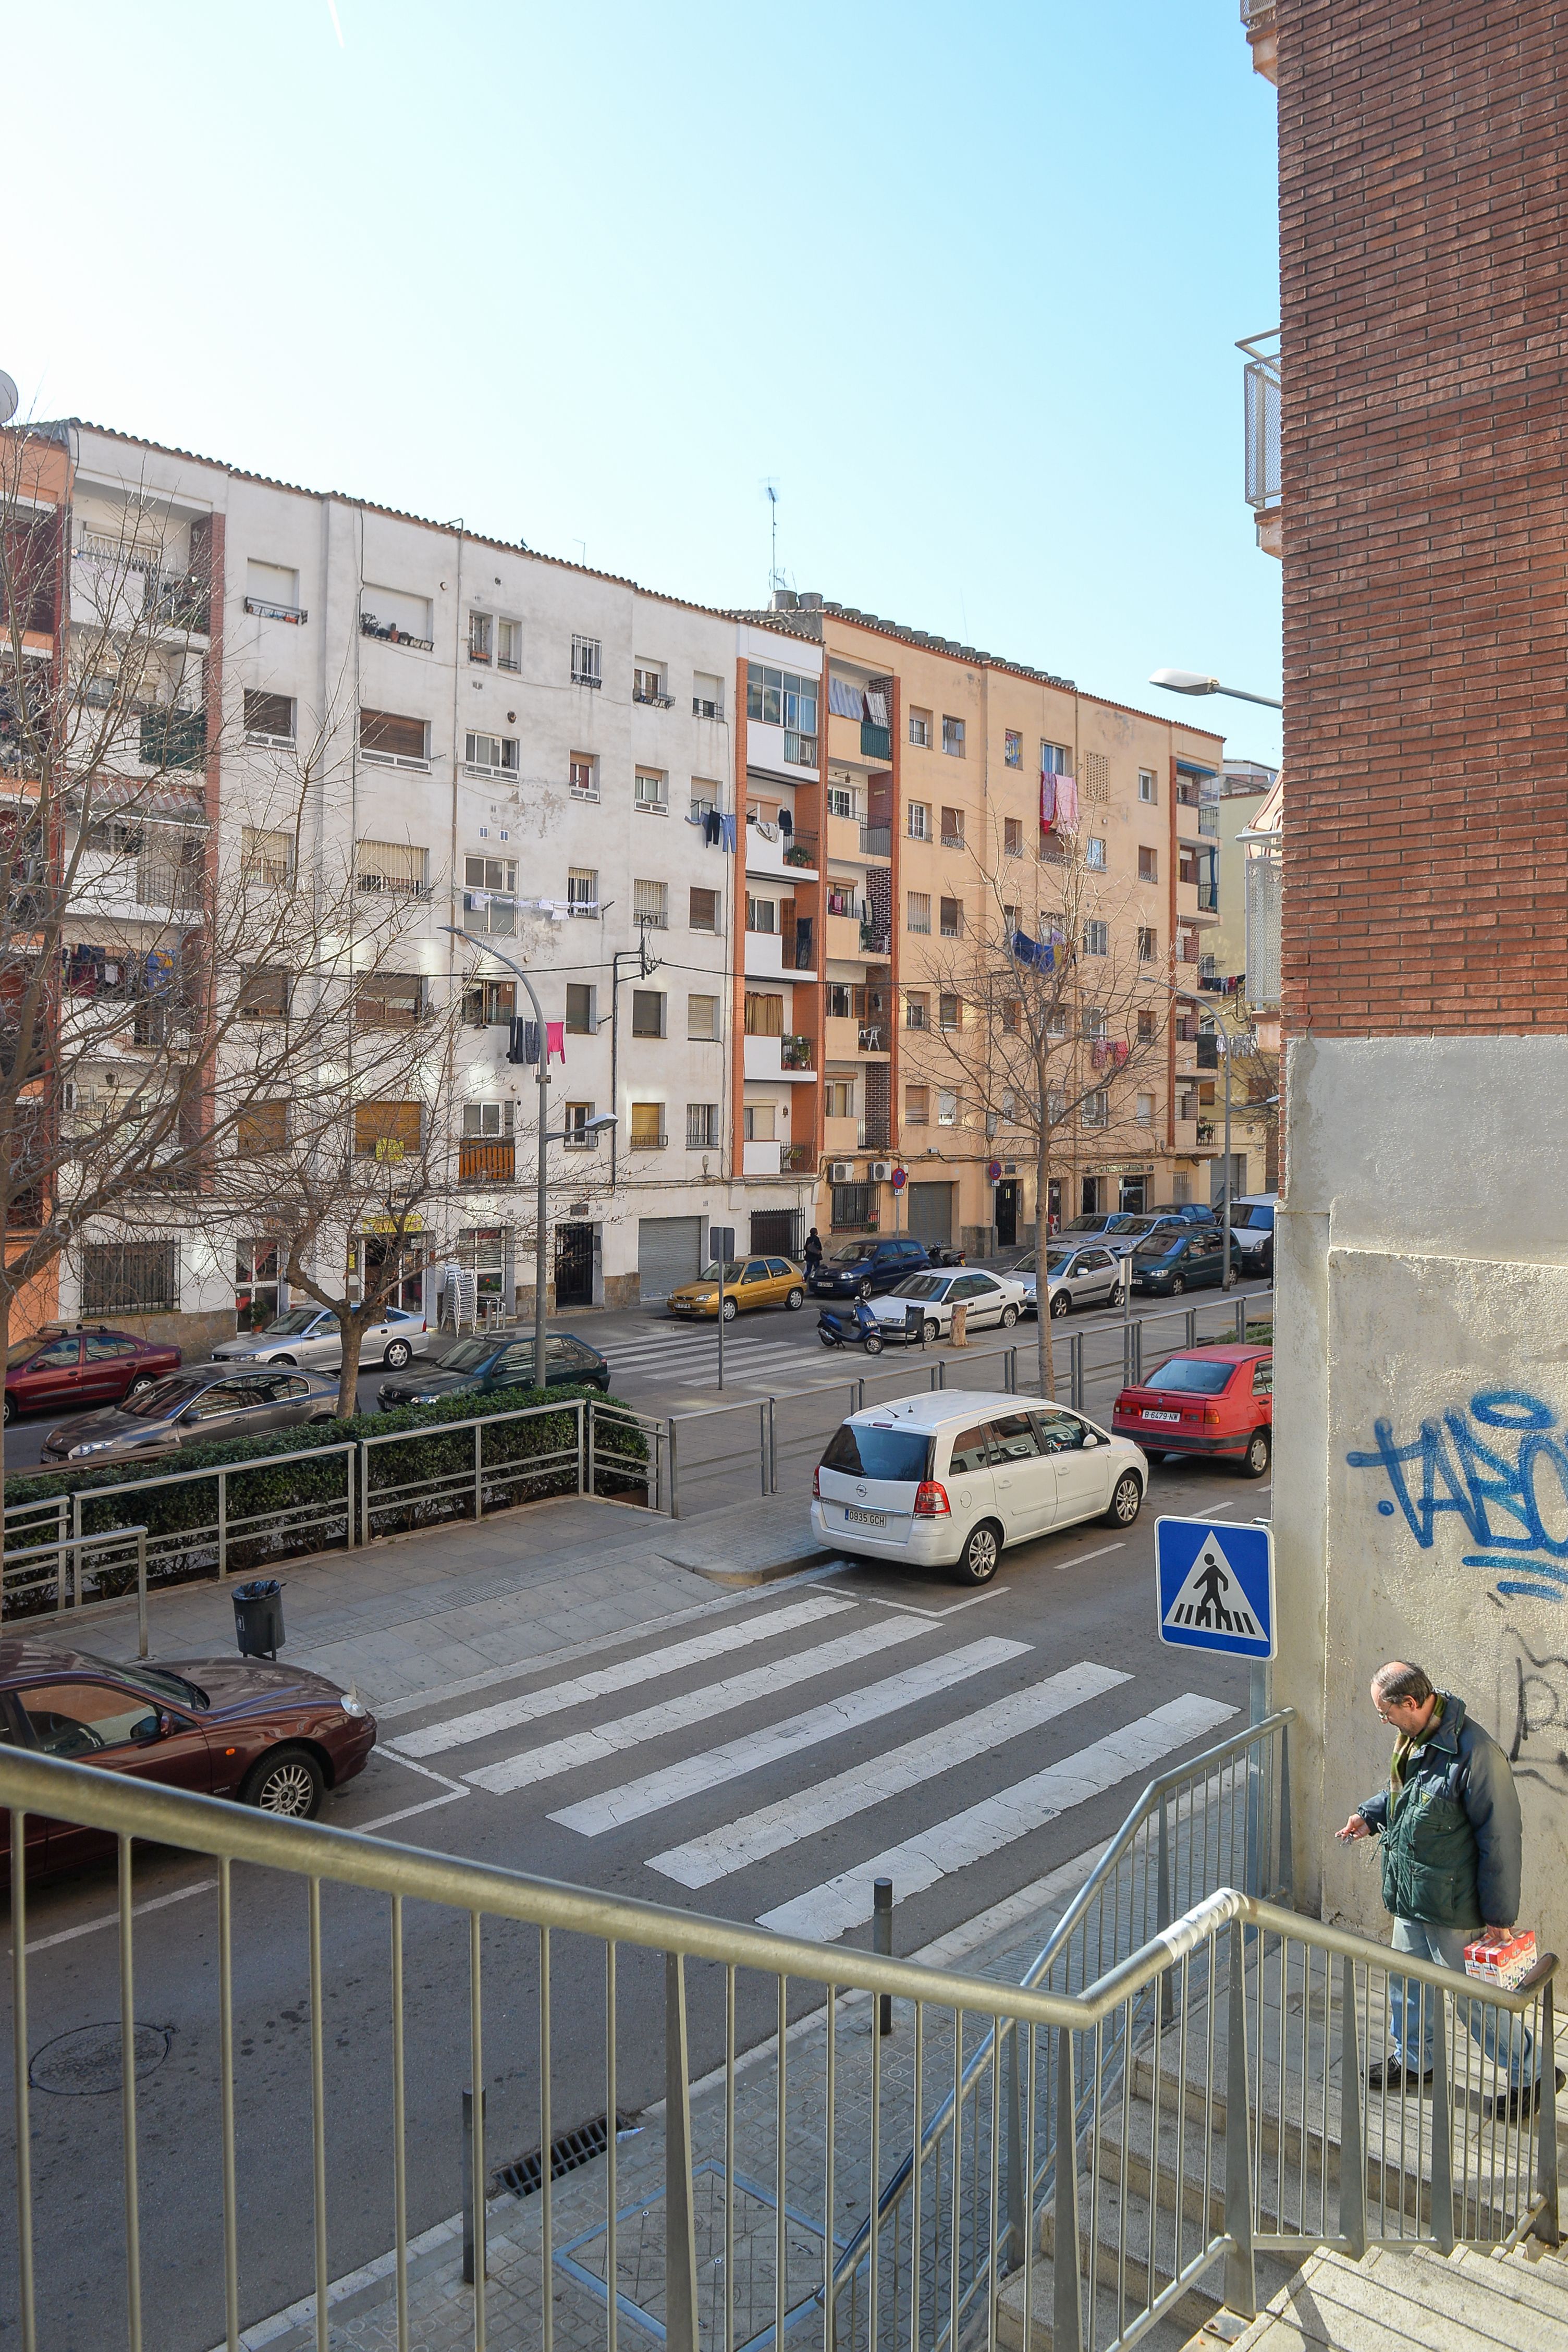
<point x="10" y="399"/>
<point x="774" y="581"/>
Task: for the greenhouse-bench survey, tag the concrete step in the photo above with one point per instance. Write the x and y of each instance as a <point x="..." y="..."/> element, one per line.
<point x="1539" y="2286"/>
<point x="1399" y="2301"/>
<point x="1168" y="2335"/>
<point x="1146" y="2161"/>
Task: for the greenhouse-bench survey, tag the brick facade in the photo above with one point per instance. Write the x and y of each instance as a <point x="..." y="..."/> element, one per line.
<point x="1424" y="256"/>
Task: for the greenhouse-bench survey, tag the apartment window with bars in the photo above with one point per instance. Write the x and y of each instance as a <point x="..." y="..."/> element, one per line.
<point x="268" y="718"/>
<point x="701" y="1126"/>
<point x="1148" y="944"/>
<point x="587" y="662"/>
<point x="648" y="1127"/>
<point x="490" y="1120"/>
<point x="1096" y="1023"/>
<point x="706" y="696"/>
<point x="574" y="1123"/>
<point x="1145" y="1110"/>
<point x="263" y="993"/>
<point x="394" y="738"/>
<point x="1097" y="1108"/>
<point x="481" y="637"/>
<point x="509" y="645"/>
<point x="491" y="755"/>
<point x="917" y="1106"/>
<point x="952" y="920"/>
<point x="585" y="776"/>
<point x="648" y="686"/>
<point x="267" y="858"/>
<point x="949" y="1011"/>
<point x="1148" y="1025"/>
<point x="920" y="911"/>
<point x="651" y="906"/>
<point x="392" y="869"/>
<point x="952" y="828"/>
<point x="1148" y="863"/>
<point x="581" y="890"/>
<point x="129" y="1277"/>
<point x="493" y="1003"/>
<point x="1095" y="938"/>
<point x="391" y="999"/>
<point x="920" y="821"/>
<point x="1013" y="748"/>
<point x="648" y="1012"/>
<point x="652" y="792"/>
<point x="1011" y="837"/>
<point x="1094" y="777"/>
<point x="387" y="1130"/>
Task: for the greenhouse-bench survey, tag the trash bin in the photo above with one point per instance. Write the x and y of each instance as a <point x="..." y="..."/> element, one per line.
<point x="258" y="1617"/>
<point x="914" y="1327"/>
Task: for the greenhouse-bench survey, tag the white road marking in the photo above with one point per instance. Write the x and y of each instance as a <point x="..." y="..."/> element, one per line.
<point x="111" y="1918"/>
<point x="608" y="1739"/>
<point x="1078" y="1558"/>
<point x="693" y="1776"/>
<point x="994" y="1593"/>
<point x="845" y="1901"/>
<point x="806" y="1811"/>
<point x="481" y="1722"/>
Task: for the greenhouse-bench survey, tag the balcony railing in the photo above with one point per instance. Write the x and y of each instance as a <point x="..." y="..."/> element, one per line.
<point x="876" y="841"/>
<point x="658" y="701"/>
<point x="483" y="1162"/>
<point x="797" y="1158"/>
<point x="1261" y="390"/>
<point x="641" y="1141"/>
<point x="387" y="632"/>
<point x="795" y="1053"/>
<point x="801" y="850"/>
<point x="181" y="601"/>
<point x="874" y="942"/>
<point x="295" y="614"/>
<point x="1208" y="817"/>
<point x="876" y="742"/>
<point x="800" y="751"/>
<point x="173" y="739"/>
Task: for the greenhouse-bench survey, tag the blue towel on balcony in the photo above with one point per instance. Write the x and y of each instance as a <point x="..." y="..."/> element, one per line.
<point x="1040" y="952"/>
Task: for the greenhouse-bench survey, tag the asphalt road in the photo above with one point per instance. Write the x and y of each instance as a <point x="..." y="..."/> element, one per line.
<point x="708" y="1805"/>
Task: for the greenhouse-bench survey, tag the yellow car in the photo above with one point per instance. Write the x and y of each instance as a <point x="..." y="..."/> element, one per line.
<point x="748" y="1282"/>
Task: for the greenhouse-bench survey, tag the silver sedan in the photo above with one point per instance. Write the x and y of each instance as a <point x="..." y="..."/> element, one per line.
<point x="310" y="1336"/>
<point x="1090" y="1274"/>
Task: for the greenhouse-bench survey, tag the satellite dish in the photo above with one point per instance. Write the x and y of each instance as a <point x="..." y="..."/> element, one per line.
<point x="9" y="398"/>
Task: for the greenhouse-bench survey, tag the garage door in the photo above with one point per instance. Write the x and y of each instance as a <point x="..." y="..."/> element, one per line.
<point x="772" y="1233"/>
<point x="930" y="1212"/>
<point x="668" y="1254"/>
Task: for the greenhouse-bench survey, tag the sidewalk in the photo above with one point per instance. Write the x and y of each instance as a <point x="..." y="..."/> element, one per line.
<point x="425" y="1617"/>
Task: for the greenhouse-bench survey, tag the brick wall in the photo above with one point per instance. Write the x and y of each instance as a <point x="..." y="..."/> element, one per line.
<point x="1423" y="251"/>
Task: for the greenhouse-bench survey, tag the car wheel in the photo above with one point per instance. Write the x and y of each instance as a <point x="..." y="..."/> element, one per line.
<point x="730" y="1309"/>
<point x="282" y="1363"/>
<point x="10" y="1408"/>
<point x="288" y="1781"/>
<point x="1061" y="1303"/>
<point x="864" y="1291"/>
<point x="1254" y="1461"/>
<point x="1126" y="1500"/>
<point x="397" y="1354"/>
<point x="1178" y="1284"/>
<point x="1118" y="1294"/>
<point x="141" y="1384"/>
<point x="981" y="1556"/>
<point x="873" y="1343"/>
<point x="1009" y="1316"/>
<point x="932" y="1333"/>
<point x="795" y="1300"/>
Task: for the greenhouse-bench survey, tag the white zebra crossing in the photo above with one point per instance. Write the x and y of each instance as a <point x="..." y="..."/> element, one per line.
<point x="506" y="1714"/>
<point x="846" y="1900"/>
<point x="807" y="1812"/>
<point x="694" y="1775"/>
<point x="605" y="1739"/>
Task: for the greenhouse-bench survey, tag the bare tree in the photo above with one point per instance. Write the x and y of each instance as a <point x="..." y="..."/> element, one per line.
<point x="1048" y="1008"/>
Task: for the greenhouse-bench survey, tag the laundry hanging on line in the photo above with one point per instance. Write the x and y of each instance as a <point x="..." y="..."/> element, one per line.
<point x="1048" y="800"/>
<point x="727" y="832"/>
<point x="1037" y="952"/>
<point x="554" y="1041"/>
<point x="1066" y="804"/>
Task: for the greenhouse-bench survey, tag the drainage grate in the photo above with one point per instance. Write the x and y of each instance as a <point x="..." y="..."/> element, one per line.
<point x="524" y="2176"/>
<point x="87" y="2063"/>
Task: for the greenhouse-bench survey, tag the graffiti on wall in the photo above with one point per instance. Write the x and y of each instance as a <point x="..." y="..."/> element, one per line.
<point x="1539" y="1745"/>
<point x="1498" y="1466"/>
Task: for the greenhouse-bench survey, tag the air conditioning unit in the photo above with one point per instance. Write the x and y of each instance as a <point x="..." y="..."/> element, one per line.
<point x="881" y="1171"/>
<point x="841" y="1172"/>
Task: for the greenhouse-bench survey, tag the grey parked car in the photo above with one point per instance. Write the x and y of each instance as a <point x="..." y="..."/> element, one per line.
<point x="310" y="1336"/>
<point x="193" y="1407"/>
<point x="1088" y="1275"/>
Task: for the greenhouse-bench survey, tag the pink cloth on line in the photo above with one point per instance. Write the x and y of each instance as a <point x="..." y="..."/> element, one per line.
<point x="1048" y="800"/>
<point x="1066" y="804"/>
<point x="554" y="1040"/>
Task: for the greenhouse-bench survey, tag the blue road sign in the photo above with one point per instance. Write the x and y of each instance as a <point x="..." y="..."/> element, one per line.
<point x="1216" y="1587"/>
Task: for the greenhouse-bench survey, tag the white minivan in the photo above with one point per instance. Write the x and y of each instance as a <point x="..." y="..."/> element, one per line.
<point x="949" y="1480"/>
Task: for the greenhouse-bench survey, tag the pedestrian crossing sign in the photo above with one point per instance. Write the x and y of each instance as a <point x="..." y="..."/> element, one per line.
<point x="1216" y="1587"/>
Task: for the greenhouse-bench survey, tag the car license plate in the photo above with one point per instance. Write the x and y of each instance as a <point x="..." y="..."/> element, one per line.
<point x="683" y="1306"/>
<point x="1151" y="1414"/>
<point x="856" y="1518"/>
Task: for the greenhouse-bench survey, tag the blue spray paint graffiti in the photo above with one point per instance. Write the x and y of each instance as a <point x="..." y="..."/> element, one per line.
<point x="1501" y="1469"/>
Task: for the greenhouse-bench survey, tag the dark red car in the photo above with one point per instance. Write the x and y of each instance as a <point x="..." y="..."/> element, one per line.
<point x="269" y="1735"/>
<point x="57" y="1370"/>
<point x="1217" y="1401"/>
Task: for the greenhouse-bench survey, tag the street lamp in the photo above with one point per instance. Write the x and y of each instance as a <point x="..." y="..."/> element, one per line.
<point x="594" y="1126"/>
<point x="1192" y="681"/>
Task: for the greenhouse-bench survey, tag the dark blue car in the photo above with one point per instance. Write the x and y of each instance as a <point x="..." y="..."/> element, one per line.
<point x="864" y="1270"/>
<point x="1171" y="1262"/>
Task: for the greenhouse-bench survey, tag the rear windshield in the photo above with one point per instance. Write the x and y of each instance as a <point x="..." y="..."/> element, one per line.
<point x="1087" y="1225"/>
<point x="1158" y="1245"/>
<point x="1253" y="1212"/>
<point x="285" y="1326"/>
<point x="1200" y="1375"/>
<point x="866" y="1451"/>
<point x="921" y="1286"/>
<point x="467" y="1356"/>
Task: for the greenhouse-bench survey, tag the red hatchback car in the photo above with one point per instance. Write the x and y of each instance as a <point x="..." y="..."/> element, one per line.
<point x="1217" y="1401"/>
<point x="270" y="1735"/>
<point x="56" y="1371"/>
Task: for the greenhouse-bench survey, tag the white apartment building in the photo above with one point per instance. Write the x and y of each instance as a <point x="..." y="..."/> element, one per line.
<point x="545" y="757"/>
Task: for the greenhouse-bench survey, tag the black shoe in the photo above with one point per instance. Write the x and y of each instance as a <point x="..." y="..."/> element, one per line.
<point x="1388" y="2075"/>
<point x="1522" y="2101"/>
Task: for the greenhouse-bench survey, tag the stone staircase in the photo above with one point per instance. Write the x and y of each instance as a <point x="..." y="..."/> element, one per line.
<point x="1395" y="2300"/>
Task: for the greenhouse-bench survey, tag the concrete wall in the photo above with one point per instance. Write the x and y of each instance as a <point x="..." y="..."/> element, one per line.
<point x="1421" y="1469"/>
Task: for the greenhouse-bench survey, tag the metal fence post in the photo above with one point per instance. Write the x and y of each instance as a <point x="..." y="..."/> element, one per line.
<point x="1240" y="2271"/>
<point x="479" y="1470"/>
<point x="350" y="1463"/>
<point x="772" y="1450"/>
<point x="1191" y="1337"/>
<point x="883" y="1943"/>
<point x="1442" y="2132"/>
<point x="223" y="1523"/>
<point x="1547" y="2223"/>
<point x="674" y="1496"/>
<point x="680" y="2231"/>
<point x="1067" y="2314"/>
<point x="763" y="1446"/>
<point x="1287" y="1878"/>
<point x="1163" y="1910"/>
<point x="1241" y="1319"/>
<point x="583" y="1424"/>
<point x="1017" y="2241"/>
<point x="474" y="2249"/>
<point x="364" y="1532"/>
<point x="1353" y="2163"/>
<point x="1074" y="1361"/>
<point x="141" y="1591"/>
<point x="75" y="1555"/>
<point x="1010" y="1377"/>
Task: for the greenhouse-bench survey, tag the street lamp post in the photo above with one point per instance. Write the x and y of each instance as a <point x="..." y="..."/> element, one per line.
<point x="1193" y="681"/>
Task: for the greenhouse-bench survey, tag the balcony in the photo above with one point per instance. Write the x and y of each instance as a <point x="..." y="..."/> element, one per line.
<point x="173" y="739"/>
<point x="876" y="742"/>
<point x="874" y="1038"/>
<point x="761" y="1158"/>
<point x="765" y="955"/>
<point x="785" y="1058"/>
<point x="295" y="614"/>
<point x="876" y="841"/>
<point x="874" y="940"/>
<point x="1261" y="388"/>
<point x="647" y="1139"/>
<point x="780" y="854"/>
<point x="387" y="632"/>
<point x="797" y="1158"/>
<point x="842" y="934"/>
<point x="481" y="1162"/>
<point x="840" y="1039"/>
<point x="658" y="701"/>
<point x="1259" y="19"/>
<point x="178" y="600"/>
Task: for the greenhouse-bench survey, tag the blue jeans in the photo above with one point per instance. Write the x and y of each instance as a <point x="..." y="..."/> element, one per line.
<point x="1502" y="2035"/>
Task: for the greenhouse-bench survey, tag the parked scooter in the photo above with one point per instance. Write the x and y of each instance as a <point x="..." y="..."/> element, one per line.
<point x="844" y="1328"/>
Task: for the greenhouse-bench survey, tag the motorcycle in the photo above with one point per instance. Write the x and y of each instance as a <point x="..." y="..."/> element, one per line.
<point x="858" y="1327"/>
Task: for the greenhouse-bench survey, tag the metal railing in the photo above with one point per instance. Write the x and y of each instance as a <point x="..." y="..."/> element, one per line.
<point x="1262" y="385"/>
<point x="1201" y="2102"/>
<point x="64" y="1578"/>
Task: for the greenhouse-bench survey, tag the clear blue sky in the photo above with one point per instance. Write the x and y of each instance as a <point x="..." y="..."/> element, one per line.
<point x="964" y="285"/>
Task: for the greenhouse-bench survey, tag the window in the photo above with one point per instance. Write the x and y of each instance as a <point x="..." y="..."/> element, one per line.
<point x="1094" y="776"/>
<point x="487" y="1120"/>
<point x="841" y="899"/>
<point x="1148" y="1025"/>
<point x="840" y="1000"/>
<point x="587" y="662"/>
<point x="396" y="618"/>
<point x="255" y="1283"/>
<point x="1055" y="760"/>
<point x="778" y="698"/>
<point x="648" y="1013"/>
<point x="391" y="999"/>
<point x="392" y="868"/>
<point x="952" y="828"/>
<point x="509" y="645"/>
<point x="704" y="910"/>
<point x="917" y="1106"/>
<point x="760" y="1122"/>
<point x="920" y="911"/>
<point x="1145" y="1110"/>
<point x="263" y="993"/>
<point x="491" y="755"/>
<point x="386" y="1130"/>
<point x="1056" y="1105"/>
<point x="266" y="857"/>
<point x="952" y="920"/>
<point x="705" y="798"/>
<point x="1011" y="1016"/>
<point x="1094" y="854"/>
<point x="920" y="729"/>
<point x="648" y="686"/>
<point x="1148" y="786"/>
<point x="1011" y="837"/>
<point x="482" y="873"/>
<point x="920" y="821"/>
<point x="701" y="1126"/>
<point x="581" y="890"/>
<point x="763" y="1015"/>
<point x="580" y="1021"/>
<point x="840" y="801"/>
<point x="839" y="1097"/>
<point x="1148" y="864"/>
<point x="651" y="906"/>
<point x="702" y="1018"/>
<point x="953" y="737"/>
<point x="272" y="590"/>
<point x="652" y="790"/>
<point x="854" y="1208"/>
<point x="762" y="914"/>
<point x="262" y="1128"/>
<point x="1057" y="1022"/>
<point x="585" y="776"/>
<point x="395" y="740"/>
<point x="1206" y="967"/>
<point x="1097" y="938"/>
<point x="493" y="1003"/>
<point x="1148" y="944"/>
<point x="648" y="1127"/>
<point x="706" y="696"/>
<point x="949" y="1011"/>
<point x="574" y="1118"/>
<point x="917" y="1011"/>
<point x="1013" y="748"/>
<point x="481" y="637"/>
<point x="268" y="718"/>
<point x="946" y="1107"/>
<point x="1095" y="1024"/>
<point x="1097" y="1107"/>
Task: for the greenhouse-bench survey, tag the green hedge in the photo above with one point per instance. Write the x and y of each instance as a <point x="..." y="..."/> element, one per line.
<point x="308" y="1498"/>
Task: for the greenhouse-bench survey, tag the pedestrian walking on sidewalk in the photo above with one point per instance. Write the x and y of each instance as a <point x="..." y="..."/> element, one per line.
<point x="1452" y="1857"/>
<point x="812" y="1253"/>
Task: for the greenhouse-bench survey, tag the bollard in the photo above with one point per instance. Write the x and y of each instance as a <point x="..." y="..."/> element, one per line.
<point x="468" y="2200"/>
<point x="882" y="1942"/>
<point x="960" y="1329"/>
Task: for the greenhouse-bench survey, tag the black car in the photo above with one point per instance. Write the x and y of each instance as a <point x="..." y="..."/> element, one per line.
<point x="862" y="1269"/>
<point x="1171" y="1262"/>
<point x="479" y="1365"/>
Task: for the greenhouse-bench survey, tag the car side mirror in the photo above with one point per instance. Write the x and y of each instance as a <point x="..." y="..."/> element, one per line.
<point x="151" y="1728"/>
<point x="189" y="1415"/>
<point x="1090" y="1439"/>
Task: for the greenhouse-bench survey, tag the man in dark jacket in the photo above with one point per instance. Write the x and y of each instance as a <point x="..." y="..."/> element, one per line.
<point x="812" y="1253"/>
<point x="1452" y="1853"/>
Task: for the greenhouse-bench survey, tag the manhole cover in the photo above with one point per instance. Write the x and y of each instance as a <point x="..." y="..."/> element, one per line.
<point x="80" y="2065"/>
